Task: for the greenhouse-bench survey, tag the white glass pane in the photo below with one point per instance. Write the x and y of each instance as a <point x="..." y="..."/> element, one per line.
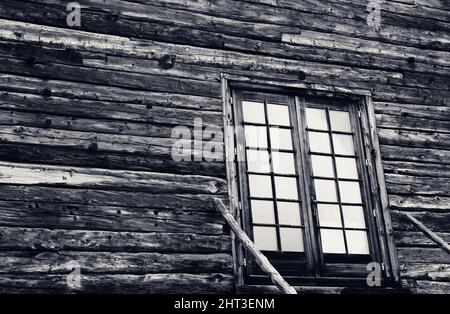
<point x="332" y="241"/>
<point x="325" y="190"/>
<point x="329" y="215"/>
<point x="280" y="138"/>
<point x="283" y="163"/>
<point x="316" y="119"/>
<point x="353" y="217"/>
<point x="253" y="112"/>
<point x="289" y="213"/>
<point x="343" y="144"/>
<point x="278" y="114"/>
<point x="319" y="142"/>
<point x="258" y="161"/>
<point x="260" y="186"/>
<point x="265" y="238"/>
<point x="256" y="136"/>
<point x="357" y="242"/>
<point x="350" y="192"/>
<point x="291" y="240"/>
<point x="340" y="121"/>
<point x="346" y="168"/>
<point x="322" y="166"/>
<point x="286" y="188"/>
<point x="262" y="212"/>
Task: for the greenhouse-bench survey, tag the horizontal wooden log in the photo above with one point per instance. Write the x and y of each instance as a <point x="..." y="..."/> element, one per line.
<point x="441" y="113"/>
<point x="416" y="239"/>
<point x="419" y="203"/>
<point x="412" y="123"/>
<point x="406" y="184"/>
<point x="150" y="283"/>
<point x="75" y="91"/>
<point x="63" y="262"/>
<point x="437" y="222"/>
<point x="41" y="239"/>
<point x="157" y="83"/>
<point x="423" y="255"/>
<point x="437" y="272"/>
<point x="97" y="196"/>
<point x="123" y="118"/>
<point x="22" y="174"/>
<point x="414" y="138"/>
<point x="427" y="286"/>
<point x="90" y="217"/>
<point x="403" y="153"/>
<point x="157" y="162"/>
<point x="417" y="169"/>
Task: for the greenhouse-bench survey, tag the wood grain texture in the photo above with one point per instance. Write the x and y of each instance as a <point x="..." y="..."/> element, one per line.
<point x="86" y="116"/>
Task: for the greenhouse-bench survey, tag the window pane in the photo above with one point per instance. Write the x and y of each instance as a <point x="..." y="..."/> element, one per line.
<point x="253" y="112"/>
<point x="258" y="161"/>
<point x="325" y="190"/>
<point x="256" y="136"/>
<point x="262" y="212"/>
<point x="260" y="186"/>
<point x="291" y="239"/>
<point x="289" y="213"/>
<point x="340" y="121"/>
<point x="350" y="192"/>
<point x="286" y="188"/>
<point x="332" y="241"/>
<point x="265" y="238"/>
<point x="357" y="242"/>
<point x="329" y="215"/>
<point x="283" y="163"/>
<point x="322" y="166"/>
<point x="280" y="138"/>
<point x="278" y="114"/>
<point x="346" y="168"/>
<point x="316" y="119"/>
<point x="343" y="144"/>
<point x="319" y="142"/>
<point x="354" y="217"/>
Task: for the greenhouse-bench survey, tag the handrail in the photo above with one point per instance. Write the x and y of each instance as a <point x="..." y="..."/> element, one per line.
<point x="433" y="236"/>
<point x="260" y="259"/>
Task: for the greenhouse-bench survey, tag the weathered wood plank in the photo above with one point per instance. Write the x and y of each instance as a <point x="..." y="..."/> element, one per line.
<point x="41" y="239"/>
<point x="115" y="218"/>
<point x="415" y="154"/>
<point x="97" y="196"/>
<point x="157" y="161"/>
<point x="62" y="262"/>
<point x="437" y="222"/>
<point x="75" y="91"/>
<point x="423" y="255"/>
<point x="150" y="283"/>
<point x="437" y="272"/>
<point x="427" y="286"/>
<point x="414" y="138"/>
<point x="416" y="239"/>
<point x="417" y="169"/>
<point x="406" y="184"/>
<point x="419" y="203"/>
<point x="22" y="174"/>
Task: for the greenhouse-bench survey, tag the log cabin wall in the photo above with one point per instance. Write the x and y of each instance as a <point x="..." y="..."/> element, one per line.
<point x="86" y="114"/>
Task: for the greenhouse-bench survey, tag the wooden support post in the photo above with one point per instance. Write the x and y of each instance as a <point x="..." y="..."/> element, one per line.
<point x="260" y="259"/>
<point x="433" y="236"/>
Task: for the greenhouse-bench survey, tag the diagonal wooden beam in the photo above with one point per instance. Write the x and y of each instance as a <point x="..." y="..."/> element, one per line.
<point x="433" y="236"/>
<point x="260" y="259"/>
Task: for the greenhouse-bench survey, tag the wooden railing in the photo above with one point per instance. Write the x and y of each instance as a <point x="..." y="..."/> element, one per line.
<point x="433" y="236"/>
<point x="260" y="259"/>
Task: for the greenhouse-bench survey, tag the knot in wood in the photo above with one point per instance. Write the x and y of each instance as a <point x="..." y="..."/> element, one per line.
<point x="167" y="61"/>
